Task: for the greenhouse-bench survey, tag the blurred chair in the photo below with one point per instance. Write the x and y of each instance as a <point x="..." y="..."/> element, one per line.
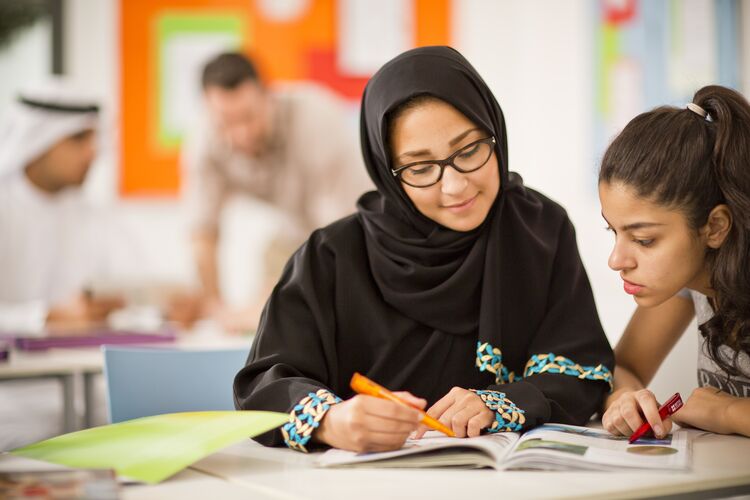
<point x="143" y="382"/>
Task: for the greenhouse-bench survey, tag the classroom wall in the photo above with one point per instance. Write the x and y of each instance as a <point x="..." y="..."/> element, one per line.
<point x="537" y="57"/>
<point x="155" y="227"/>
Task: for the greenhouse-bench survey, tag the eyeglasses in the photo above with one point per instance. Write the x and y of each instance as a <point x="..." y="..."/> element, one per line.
<point x="429" y="172"/>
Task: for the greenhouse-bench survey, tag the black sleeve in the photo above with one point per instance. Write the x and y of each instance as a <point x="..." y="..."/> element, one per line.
<point x="293" y="348"/>
<point x="568" y="372"/>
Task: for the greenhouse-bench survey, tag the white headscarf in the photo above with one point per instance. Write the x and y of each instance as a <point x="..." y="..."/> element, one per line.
<point x="41" y="117"/>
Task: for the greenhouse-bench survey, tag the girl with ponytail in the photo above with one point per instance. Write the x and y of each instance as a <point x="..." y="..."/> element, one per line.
<point x="675" y="191"/>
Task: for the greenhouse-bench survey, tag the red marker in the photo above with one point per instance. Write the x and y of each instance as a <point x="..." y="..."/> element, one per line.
<point x="669" y="408"/>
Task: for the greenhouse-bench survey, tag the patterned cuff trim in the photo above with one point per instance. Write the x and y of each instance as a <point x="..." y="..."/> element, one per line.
<point x="508" y="417"/>
<point x="305" y="417"/>
<point x="549" y="363"/>
<point x="490" y="359"/>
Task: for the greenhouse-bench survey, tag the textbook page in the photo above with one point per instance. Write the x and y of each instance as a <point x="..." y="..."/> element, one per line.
<point x="568" y="447"/>
<point x="434" y="449"/>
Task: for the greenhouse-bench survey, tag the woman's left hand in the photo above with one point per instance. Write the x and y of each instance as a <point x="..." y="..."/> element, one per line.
<point x="706" y="409"/>
<point x="461" y="410"/>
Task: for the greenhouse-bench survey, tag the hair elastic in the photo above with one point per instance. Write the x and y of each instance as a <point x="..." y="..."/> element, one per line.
<point x="697" y="110"/>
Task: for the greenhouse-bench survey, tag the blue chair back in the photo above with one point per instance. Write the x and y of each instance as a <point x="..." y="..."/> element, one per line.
<point x="143" y="382"/>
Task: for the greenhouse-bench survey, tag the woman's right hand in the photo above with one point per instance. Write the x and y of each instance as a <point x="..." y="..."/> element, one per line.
<point x="626" y="411"/>
<point x="365" y="423"/>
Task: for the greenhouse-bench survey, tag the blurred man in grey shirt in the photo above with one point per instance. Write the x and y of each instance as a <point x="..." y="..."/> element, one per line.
<point x="287" y="147"/>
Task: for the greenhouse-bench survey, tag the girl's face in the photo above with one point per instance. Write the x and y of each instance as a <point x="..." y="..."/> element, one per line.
<point x="434" y="130"/>
<point x="656" y="252"/>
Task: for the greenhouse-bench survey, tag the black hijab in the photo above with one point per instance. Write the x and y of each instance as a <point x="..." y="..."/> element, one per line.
<point x="443" y="278"/>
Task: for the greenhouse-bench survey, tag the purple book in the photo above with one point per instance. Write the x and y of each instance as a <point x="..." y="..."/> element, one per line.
<point x="93" y="339"/>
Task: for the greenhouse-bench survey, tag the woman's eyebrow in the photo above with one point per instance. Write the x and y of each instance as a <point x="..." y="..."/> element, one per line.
<point x="460" y="137"/>
<point x="640" y="225"/>
<point x="426" y="152"/>
<point x="634" y="225"/>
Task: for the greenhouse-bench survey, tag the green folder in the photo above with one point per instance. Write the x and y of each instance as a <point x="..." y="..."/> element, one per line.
<point x="150" y="449"/>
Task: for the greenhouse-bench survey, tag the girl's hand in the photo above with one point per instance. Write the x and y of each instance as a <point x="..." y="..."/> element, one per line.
<point x="461" y="410"/>
<point x="706" y="409"/>
<point x="625" y="414"/>
<point x="365" y="423"/>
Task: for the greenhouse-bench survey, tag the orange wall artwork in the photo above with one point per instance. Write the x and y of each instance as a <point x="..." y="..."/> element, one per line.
<point x="164" y="43"/>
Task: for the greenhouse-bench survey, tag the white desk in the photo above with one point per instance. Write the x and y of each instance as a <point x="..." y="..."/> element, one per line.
<point x="64" y="365"/>
<point x="67" y="364"/>
<point x="189" y="484"/>
<point x="248" y="470"/>
<point x="721" y="466"/>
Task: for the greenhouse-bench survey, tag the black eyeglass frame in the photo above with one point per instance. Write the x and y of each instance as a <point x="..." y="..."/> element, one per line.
<point x="444" y="163"/>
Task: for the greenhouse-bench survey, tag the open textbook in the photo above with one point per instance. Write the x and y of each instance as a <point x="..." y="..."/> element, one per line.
<point x="549" y="447"/>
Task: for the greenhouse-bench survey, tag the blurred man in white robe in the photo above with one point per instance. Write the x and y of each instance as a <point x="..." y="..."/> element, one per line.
<point x="52" y="243"/>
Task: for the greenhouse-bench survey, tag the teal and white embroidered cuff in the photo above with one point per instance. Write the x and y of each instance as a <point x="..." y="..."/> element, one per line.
<point x="490" y="359"/>
<point x="549" y="363"/>
<point x="305" y="417"/>
<point x="508" y="417"/>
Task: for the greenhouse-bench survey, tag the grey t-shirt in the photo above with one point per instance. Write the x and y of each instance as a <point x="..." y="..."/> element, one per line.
<point x="709" y="373"/>
<point x="312" y="169"/>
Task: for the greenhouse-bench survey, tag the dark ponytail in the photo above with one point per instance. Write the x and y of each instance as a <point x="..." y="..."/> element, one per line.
<point x="684" y="161"/>
<point x="730" y="270"/>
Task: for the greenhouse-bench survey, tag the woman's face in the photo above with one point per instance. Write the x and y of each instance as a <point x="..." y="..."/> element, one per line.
<point x="434" y="130"/>
<point x="656" y="252"/>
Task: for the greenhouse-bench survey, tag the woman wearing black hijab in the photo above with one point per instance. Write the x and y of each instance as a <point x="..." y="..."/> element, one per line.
<point x="453" y="281"/>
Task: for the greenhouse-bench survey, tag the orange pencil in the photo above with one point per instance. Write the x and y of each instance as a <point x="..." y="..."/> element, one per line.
<point x="363" y="385"/>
